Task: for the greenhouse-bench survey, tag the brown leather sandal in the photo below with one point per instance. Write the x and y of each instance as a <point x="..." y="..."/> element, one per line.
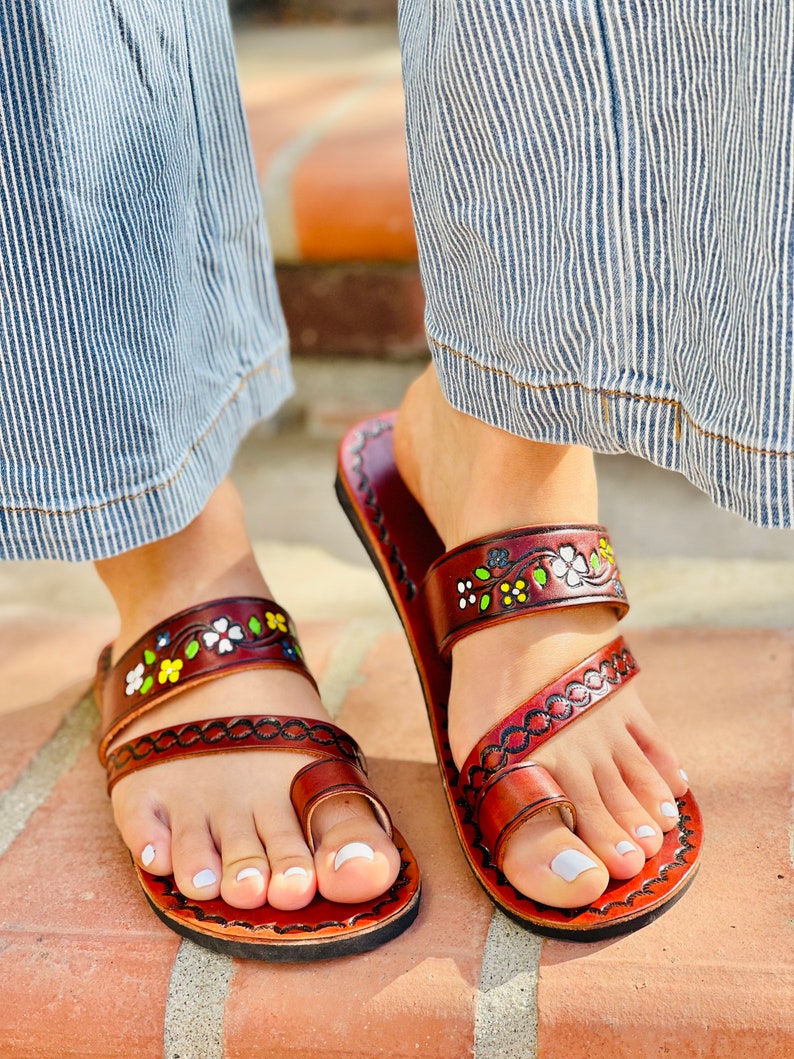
<point x="202" y="644"/>
<point x="443" y="597"/>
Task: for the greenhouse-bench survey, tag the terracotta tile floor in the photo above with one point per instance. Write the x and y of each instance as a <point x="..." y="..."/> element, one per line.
<point x="86" y="969"/>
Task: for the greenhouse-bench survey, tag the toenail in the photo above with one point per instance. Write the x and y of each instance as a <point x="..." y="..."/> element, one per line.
<point x="683" y="775"/>
<point x="148" y="855"/>
<point x="625" y="847"/>
<point x="570" y="864"/>
<point x="643" y="831"/>
<point x="352" y="850"/>
<point x="668" y="809"/>
<point x="244" y="873"/>
<point x="204" y="878"/>
<point x="297" y="870"/>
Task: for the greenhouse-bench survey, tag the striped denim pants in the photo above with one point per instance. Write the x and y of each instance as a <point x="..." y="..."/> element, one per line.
<point x="140" y="330"/>
<point x="604" y="200"/>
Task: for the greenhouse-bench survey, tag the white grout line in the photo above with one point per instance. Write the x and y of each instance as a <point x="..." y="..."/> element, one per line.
<point x="196" y="1003"/>
<point x="342" y="672"/>
<point x="32" y="788"/>
<point x="506" y="1019"/>
<point x="277" y="180"/>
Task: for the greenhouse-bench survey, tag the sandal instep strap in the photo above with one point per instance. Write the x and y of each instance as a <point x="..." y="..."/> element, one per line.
<point x="526" y="570"/>
<point x="296" y="734"/>
<point x="189" y="648"/>
<point x="518" y="735"/>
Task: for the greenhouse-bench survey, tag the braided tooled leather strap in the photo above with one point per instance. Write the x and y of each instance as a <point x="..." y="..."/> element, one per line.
<point x="196" y="645"/>
<point x="318" y="738"/>
<point x="508" y="575"/>
<point x="500" y="792"/>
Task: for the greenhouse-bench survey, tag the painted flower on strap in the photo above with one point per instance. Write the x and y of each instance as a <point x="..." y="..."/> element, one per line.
<point x="516" y="593"/>
<point x="276" y="621"/>
<point x="606" y="550"/>
<point x="569" y="565"/>
<point x="465" y="594"/>
<point x="497" y="558"/>
<point x="170" y="669"/>
<point x="134" y="679"/>
<point x="221" y="636"/>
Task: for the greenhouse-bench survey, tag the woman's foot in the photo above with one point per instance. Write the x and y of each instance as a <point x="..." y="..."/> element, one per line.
<point x="224" y="824"/>
<point x="623" y="778"/>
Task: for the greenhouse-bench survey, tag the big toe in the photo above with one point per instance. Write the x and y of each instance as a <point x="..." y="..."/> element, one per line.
<point x="355" y="860"/>
<point x="549" y="864"/>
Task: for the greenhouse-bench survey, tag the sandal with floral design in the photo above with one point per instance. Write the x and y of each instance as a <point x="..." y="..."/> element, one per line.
<point x="443" y="597"/>
<point x="201" y="644"/>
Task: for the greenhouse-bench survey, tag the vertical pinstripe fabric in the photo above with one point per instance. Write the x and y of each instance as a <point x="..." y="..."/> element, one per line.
<point x="140" y="329"/>
<point x="604" y="197"/>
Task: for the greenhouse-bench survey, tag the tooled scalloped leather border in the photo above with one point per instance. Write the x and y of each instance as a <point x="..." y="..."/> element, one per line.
<point x="367" y="493"/>
<point x="184" y="904"/>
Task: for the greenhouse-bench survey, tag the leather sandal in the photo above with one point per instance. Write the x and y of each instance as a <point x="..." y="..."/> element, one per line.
<point x="201" y="644"/>
<point x="441" y="597"/>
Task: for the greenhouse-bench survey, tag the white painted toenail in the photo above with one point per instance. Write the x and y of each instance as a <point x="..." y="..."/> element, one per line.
<point x="643" y="831"/>
<point x="204" y="878"/>
<point x="570" y="864"/>
<point x="247" y="873"/>
<point x="683" y="775"/>
<point x="668" y="809"/>
<point x="296" y="870"/>
<point x="148" y="855"/>
<point x="352" y="850"/>
<point x="625" y="847"/>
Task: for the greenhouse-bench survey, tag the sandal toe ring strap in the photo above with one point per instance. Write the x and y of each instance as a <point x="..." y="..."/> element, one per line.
<point x="327" y="778"/>
<point x="513" y="796"/>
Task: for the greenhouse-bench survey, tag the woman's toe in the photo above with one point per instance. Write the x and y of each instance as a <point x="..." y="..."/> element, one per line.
<point x="196" y="862"/>
<point x="551" y="865"/>
<point x="292" y="881"/>
<point x="354" y="858"/>
<point x="146" y="837"/>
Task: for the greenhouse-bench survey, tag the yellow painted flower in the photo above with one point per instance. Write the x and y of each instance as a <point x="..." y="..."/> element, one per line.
<point x="513" y="593"/>
<point x="276" y="621"/>
<point x="169" y="670"/>
<point x="606" y="550"/>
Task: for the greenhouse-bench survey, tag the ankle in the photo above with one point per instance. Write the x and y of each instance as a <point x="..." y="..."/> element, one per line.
<point x="473" y="479"/>
<point x="210" y="558"/>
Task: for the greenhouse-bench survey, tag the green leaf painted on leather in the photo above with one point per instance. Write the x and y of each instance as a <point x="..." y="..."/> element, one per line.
<point x="485" y="601"/>
<point x="539" y="576"/>
<point x="482" y="573"/>
<point x="149" y="657"/>
<point x="147" y="685"/>
<point x="595" y="562"/>
<point x="255" y="625"/>
<point x="192" y="649"/>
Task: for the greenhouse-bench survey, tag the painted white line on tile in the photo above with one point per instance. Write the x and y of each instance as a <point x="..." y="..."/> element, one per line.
<point x="32" y="788"/>
<point x="342" y="672"/>
<point x="277" y="180"/>
<point x="196" y="1003"/>
<point x="506" y="1019"/>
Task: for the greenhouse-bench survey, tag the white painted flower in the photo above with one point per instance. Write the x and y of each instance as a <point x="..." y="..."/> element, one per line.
<point x="220" y="639"/>
<point x="134" y="679"/>
<point x="466" y="594"/>
<point x="569" y="564"/>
